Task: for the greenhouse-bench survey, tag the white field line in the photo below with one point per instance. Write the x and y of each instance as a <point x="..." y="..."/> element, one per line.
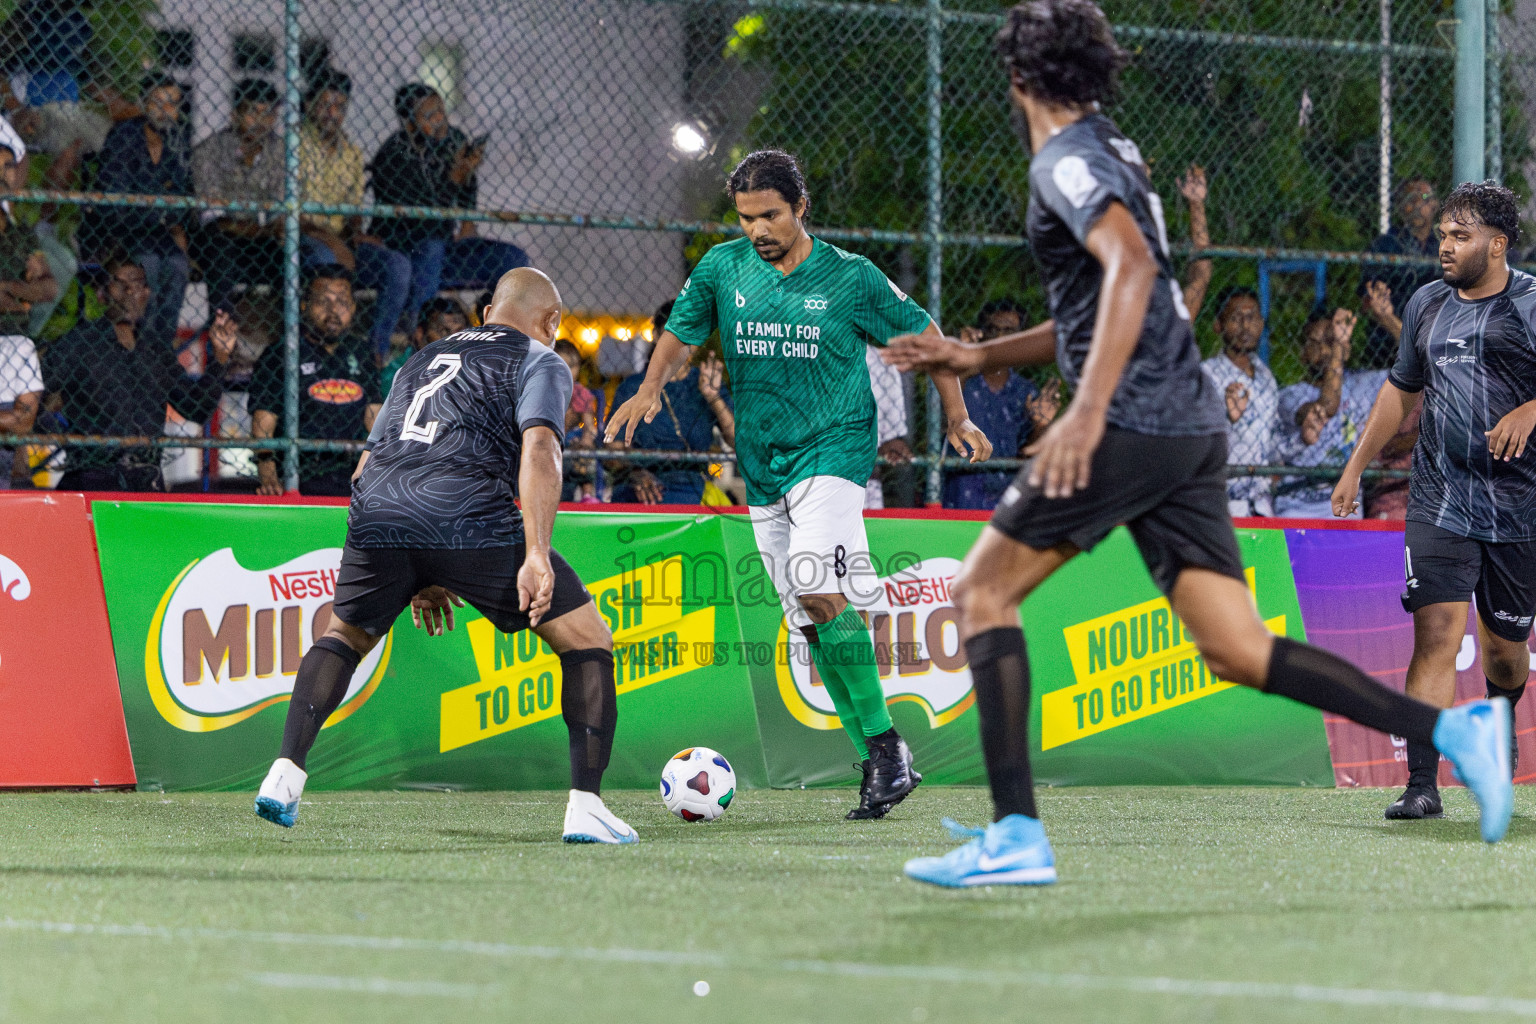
<point x="1444" y="1002"/>
<point x="371" y="986"/>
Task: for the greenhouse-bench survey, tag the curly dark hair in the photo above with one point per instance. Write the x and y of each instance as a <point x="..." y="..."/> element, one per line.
<point x="1061" y="51"/>
<point x="768" y="169"/>
<point x="1485" y="202"/>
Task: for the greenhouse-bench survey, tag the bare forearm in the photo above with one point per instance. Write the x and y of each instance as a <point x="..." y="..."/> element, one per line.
<point x="666" y="360"/>
<point x="42" y="289"/>
<point x="1200" y="273"/>
<point x="1331" y="390"/>
<point x="538" y="489"/>
<point x="726" y="418"/>
<point x="263" y="423"/>
<point x="1391" y="409"/>
<point x="1033" y="347"/>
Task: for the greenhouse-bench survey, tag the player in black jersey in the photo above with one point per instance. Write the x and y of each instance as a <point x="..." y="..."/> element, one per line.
<point x="471" y="420"/>
<point x="1143" y="443"/>
<point x="1469" y="346"/>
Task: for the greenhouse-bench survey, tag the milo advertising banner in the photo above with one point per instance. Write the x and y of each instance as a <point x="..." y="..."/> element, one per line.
<point x="213" y="606"/>
<point x="1120" y="695"/>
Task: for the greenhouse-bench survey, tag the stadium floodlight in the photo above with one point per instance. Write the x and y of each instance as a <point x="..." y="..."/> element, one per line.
<point x="689" y="139"/>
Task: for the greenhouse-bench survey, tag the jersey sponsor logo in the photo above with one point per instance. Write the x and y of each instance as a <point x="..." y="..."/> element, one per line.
<point x="1129" y="665"/>
<point x="1128" y="150"/>
<point x="225" y="641"/>
<point x="816" y="304"/>
<point x="1076" y="181"/>
<point x="336" y="391"/>
<point x="687" y="282"/>
<point x="741" y="300"/>
<point x="1458" y="342"/>
<point x="13" y="581"/>
<point x="899" y="293"/>
<point x="1452" y="360"/>
<point x="916" y="630"/>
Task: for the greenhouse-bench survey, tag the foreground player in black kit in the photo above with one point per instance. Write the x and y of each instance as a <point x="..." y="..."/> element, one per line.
<point x="1143" y="443"/>
<point x="1469" y="345"/>
<point x="471" y="420"/>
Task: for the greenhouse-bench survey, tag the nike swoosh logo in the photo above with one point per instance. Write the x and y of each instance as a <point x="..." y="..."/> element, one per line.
<point x="611" y="830"/>
<point x="996" y="863"/>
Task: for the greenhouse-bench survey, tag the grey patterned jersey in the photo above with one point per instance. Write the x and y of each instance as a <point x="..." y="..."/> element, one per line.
<point x="446" y="448"/>
<point x="1475" y="362"/>
<point x="1072" y="181"/>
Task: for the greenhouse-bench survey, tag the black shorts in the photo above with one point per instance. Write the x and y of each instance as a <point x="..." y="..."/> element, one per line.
<point x="1170" y="491"/>
<point x="376" y="584"/>
<point x="1445" y="567"/>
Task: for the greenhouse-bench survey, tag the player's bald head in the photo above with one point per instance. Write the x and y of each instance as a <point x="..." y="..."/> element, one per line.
<point x="528" y="300"/>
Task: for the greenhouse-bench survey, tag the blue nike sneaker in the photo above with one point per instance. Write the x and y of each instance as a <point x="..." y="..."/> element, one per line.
<point x="1475" y="738"/>
<point x="1013" y="851"/>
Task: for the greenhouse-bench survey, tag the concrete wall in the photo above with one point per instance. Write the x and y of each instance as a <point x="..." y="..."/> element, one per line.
<point x="578" y="97"/>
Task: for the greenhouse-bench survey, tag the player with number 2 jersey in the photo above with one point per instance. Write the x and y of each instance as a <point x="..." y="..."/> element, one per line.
<point x="471" y="421"/>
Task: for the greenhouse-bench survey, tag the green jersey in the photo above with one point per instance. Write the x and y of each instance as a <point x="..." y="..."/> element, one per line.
<point x="794" y="346"/>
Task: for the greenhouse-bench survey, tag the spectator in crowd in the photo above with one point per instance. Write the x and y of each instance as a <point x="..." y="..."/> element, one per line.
<point x="891" y="431"/>
<point x="692" y="403"/>
<point x="1387" y="497"/>
<point x="1322" y="417"/>
<point x="440" y="317"/>
<point x="1252" y="399"/>
<point x="1388" y="288"/>
<point x="21" y="394"/>
<point x="148" y="155"/>
<point x="242" y="163"/>
<point x="112" y="380"/>
<point x="25" y="279"/>
<point x="55" y="39"/>
<point x="1007" y="407"/>
<point x="1194" y="190"/>
<point x="331" y="170"/>
<point x="428" y="162"/>
<point x="580" y="430"/>
<point x="339" y="393"/>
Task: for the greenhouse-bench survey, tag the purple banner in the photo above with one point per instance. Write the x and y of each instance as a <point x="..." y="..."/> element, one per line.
<point x="1349" y="584"/>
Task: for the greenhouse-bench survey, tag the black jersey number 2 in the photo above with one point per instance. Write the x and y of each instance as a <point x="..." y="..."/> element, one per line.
<point x="410" y="430"/>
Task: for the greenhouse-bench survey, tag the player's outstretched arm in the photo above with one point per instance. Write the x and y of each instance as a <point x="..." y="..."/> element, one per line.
<point x="931" y="353"/>
<point x="666" y="360"/>
<point x="964" y="436"/>
<point x="1393" y="405"/>
<point x="1064" y="454"/>
<point x="538" y="489"/>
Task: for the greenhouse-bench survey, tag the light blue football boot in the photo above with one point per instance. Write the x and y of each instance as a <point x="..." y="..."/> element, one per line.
<point x="1475" y="739"/>
<point x="1013" y="851"/>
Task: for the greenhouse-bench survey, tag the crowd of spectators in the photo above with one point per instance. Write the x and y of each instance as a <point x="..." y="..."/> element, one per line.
<point x="90" y="318"/>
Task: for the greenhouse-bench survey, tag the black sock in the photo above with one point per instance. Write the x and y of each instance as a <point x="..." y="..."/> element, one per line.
<point x="324" y="675"/>
<point x="589" y="701"/>
<point x="1423" y="765"/>
<point x="1513" y="696"/>
<point x="1000" y="675"/>
<point x="1313" y="676"/>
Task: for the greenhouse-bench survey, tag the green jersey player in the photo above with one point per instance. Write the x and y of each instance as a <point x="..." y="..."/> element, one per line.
<point x="794" y="314"/>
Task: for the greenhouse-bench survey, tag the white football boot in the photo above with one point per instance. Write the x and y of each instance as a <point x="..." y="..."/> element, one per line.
<point x="588" y="821"/>
<point x="278" y="800"/>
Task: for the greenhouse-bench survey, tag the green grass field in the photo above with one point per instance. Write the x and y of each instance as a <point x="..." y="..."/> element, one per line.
<point x="1175" y="905"/>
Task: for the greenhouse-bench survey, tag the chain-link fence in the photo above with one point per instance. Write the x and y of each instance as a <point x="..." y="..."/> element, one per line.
<point x="234" y="220"/>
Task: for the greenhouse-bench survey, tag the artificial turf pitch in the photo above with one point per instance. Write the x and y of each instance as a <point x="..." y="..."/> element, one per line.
<point x="1174" y="905"/>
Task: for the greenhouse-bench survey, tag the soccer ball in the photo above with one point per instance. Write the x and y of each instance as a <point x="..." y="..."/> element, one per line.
<point x="697" y="784"/>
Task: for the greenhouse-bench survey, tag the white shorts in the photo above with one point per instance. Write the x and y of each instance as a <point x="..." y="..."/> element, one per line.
<point x="812" y="542"/>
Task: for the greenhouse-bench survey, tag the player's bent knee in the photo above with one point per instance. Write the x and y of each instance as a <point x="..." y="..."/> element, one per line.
<point x="1506" y="663"/>
<point x="823" y="608"/>
<point x="1243" y="660"/>
<point x="360" y="640"/>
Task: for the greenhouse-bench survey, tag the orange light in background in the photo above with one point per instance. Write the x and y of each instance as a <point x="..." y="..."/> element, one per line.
<point x="586" y="330"/>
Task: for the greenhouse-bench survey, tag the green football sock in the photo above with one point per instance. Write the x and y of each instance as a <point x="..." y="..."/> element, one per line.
<point x="846" y="713"/>
<point x="852" y="658"/>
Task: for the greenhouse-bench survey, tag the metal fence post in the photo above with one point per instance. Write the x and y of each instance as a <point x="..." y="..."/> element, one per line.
<point x="291" y="103"/>
<point x="1471" y="90"/>
<point x="1495" y="113"/>
<point x="934" y="229"/>
<point x="1384" y="137"/>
